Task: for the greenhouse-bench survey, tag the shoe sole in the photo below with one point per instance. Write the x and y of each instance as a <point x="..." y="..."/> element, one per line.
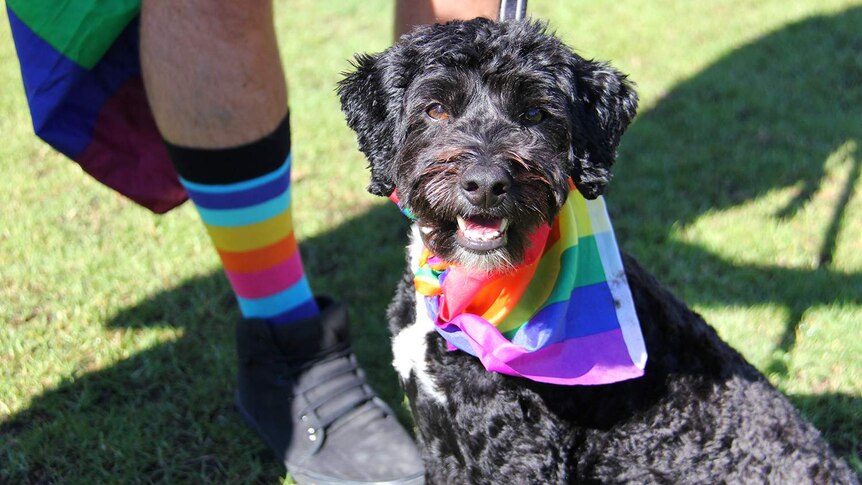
<point x="305" y="478"/>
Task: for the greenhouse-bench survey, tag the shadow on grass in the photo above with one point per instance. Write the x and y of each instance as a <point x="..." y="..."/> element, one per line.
<point x="764" y="117"/>
<point x="166" y="414"/>
<point x="838" y="414"/>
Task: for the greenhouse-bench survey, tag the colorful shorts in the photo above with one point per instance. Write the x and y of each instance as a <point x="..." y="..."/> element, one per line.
<point x="82" y="77"/>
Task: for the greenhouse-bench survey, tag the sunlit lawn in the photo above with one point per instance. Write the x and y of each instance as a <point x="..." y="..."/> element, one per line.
<point x="738" y="185"/>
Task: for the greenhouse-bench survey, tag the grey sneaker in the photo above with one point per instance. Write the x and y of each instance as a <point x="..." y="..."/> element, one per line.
<point x="301" y="389"/>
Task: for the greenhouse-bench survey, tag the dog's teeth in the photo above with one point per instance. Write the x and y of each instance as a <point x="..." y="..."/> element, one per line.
<point x="426" y="229"/>
<point x="487" y="236"/>
<point x="480" y="229"/>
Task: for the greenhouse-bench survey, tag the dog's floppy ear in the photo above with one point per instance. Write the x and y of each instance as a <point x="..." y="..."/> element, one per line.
<point x="604" y="103"/>
<point x="371" y="98"/>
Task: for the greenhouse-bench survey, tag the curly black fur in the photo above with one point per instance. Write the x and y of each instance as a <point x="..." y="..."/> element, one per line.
<point x="486" y="75"/>
<point x="700" y="414"/>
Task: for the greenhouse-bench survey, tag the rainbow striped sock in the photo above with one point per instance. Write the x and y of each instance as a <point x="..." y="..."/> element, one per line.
<point x="243" y="196"/>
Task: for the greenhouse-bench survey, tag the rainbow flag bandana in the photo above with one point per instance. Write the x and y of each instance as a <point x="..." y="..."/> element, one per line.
<point x="82" y="77"/>
<point x="564" y="316"/>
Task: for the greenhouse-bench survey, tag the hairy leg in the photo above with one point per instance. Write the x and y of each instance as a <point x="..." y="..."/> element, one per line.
<point x="212" y="70"/>
<point x="217" y="90"/>
<point x="216" y="87"/>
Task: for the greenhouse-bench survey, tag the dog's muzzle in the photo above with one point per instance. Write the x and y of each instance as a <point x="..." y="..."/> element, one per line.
<point x="485" y="187"/>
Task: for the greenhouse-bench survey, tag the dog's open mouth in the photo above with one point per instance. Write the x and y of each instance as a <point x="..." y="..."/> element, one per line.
<point x="477" y="234"/>
<point x="482" y="233"/>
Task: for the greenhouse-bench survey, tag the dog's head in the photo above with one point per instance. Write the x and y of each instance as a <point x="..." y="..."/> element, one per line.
<point x="479" y="126"/>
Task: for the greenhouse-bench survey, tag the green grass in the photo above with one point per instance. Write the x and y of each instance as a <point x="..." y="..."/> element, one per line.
<point x="738" y="185"/>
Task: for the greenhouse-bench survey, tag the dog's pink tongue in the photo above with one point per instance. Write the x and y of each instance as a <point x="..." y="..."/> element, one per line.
<point x="482" y="225"/>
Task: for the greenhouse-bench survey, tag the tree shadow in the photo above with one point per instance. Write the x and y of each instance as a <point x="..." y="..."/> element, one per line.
<point x="801" y="100"/>
<point x="766" y="116"/>
<point x="839" y="414"/>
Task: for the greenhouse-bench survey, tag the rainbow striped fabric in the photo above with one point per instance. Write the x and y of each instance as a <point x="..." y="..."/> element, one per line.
<point x="564" y="316"/>
<point x="250" y="225"/>
<point x="80" y="66"/>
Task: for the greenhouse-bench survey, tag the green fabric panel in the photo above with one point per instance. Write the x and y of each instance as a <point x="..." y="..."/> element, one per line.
<point x="590" y="267"/>
<point x="584" y="258"/>
<point x="81" y="30"/>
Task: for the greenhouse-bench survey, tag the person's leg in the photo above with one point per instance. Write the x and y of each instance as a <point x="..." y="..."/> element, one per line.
<point x="410" y="13"/>
<point x="216" y="87"/>
<point x="215" y="83"/>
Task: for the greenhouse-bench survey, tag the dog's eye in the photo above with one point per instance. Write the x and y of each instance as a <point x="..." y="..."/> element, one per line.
<point x="438" y="112"/>
<point x="532" y="116"/>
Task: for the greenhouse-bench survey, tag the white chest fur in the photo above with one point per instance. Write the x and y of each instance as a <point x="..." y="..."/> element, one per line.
<point x="409" y="346"/>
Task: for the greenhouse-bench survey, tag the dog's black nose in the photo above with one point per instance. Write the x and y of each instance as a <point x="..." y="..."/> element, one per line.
<point x="485" y="185"/>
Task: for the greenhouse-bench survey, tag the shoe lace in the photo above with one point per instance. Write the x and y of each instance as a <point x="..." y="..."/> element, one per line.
<point x="312" y="414"/>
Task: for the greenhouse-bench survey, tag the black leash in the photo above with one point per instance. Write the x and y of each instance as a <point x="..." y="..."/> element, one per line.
<point x="513" y="9"/>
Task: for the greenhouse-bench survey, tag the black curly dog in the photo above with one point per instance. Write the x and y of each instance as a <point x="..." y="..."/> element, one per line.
<point x="485" y="122"/>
